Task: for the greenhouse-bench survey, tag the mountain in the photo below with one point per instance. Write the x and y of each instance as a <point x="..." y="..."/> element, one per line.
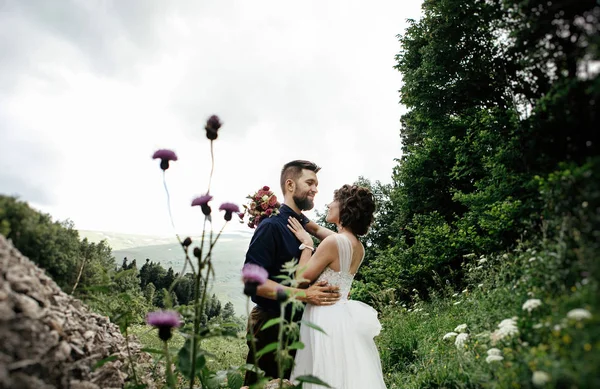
<point x="228" y="258"/>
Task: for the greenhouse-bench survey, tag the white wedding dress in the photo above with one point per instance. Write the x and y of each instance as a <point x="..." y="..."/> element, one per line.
<point x="345" y="357"/>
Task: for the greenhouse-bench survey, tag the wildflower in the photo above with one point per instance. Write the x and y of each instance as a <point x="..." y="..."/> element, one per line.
<point x="494" y="351"/>
<point x="579" y="314"/>
<point x="202" y="201"/>
<point x="212" y="127"/>
<point x="229" y="209"/>
<point x="456" y="303"/>
<point x="469" y="256"/>
<point x="253" y="276"/>
<point x="506" y="328"/>
<point x="508" y="322"/>
<point x="540" y="378"/>
<point x="165" y="321"/>
<point x="504" y="256"/>
<point x="480" y="286"/>
<point x="537" y="326"/>
<point x="281" y="294"/>
<point x="531" y="304"/>
<point x="461" y="328"/>
<point x="449" y="335"/>
<point x="461" y="340"/>
<point x="465" y="291"/>
<point x="165" y="156"/>
<point x="494" y="358"/>
<point x="455" y="294"/>
<point x="482" y="261"/>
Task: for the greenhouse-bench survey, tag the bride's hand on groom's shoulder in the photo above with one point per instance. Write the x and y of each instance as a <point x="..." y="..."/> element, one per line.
<point x="297" y="229"/>
<point x="321" y="293"/>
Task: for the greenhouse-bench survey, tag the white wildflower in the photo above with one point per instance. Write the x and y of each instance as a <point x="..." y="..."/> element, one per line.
<point x="579" y="314"/>
<point x="466" y="290"/>
<point x="494" y="351"/>
<point x="469" y="256"/>
<point x="455" y="294"/>
<point x="584" y="204"/>
<point x="506" y="328"/>
<point x="557" y="328"/>
<point x="449" y="335"/>
<point x="482" y="261"/>
<point x="525" y="344"/>
<point x="531" y="304"/>
<point x="461" y="340"/>
<point x="456" y="303"/>
<point x="494" y="358"/>
<point x="478" y="267"/>
<point x="540" y="378"/>
<point x="480" y="286"/>
<point x="532" y="259"/>
<point x="504" y="256"/>
<point x="585" y="281"/>
<point x="461" y="328"/>
<point x="508" y="322"/>
<point x="537" y="326"/>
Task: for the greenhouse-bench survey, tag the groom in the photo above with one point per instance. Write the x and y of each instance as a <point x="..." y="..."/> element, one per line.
<point x="272" y="245"/>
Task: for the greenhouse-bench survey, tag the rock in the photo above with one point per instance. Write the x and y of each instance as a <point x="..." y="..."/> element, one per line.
<point x="50" y="340"/>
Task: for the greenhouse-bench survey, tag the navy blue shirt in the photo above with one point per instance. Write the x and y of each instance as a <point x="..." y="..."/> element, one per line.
<point x="272" y="245"/>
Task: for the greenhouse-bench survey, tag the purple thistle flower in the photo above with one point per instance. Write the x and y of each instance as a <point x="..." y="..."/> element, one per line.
<point x="253" y="276"/>
<point x="281" y="294"/>
<point x="165" y="156"/>
<point x="229" y="209"/>
<point x="165" y="321"/>
<point x="212" y="127"/>
<point x="202" y="201"/>
<point x="254" y="273"/>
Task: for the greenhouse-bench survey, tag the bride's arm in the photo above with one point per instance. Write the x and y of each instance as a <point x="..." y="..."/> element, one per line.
<point x="317" y="231"/>
<point x="310" y="266"/>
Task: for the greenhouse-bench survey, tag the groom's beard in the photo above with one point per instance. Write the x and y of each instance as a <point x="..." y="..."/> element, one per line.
<point x="303" y="203"/>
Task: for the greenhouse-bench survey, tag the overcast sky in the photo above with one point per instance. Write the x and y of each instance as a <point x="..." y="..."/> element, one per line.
<point x="90" y="89"/>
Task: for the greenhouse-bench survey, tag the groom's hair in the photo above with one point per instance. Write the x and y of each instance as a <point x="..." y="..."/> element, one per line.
<point x="293" y="170"/>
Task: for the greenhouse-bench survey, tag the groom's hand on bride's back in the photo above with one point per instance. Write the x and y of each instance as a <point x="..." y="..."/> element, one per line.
<point x="321" y="293"/>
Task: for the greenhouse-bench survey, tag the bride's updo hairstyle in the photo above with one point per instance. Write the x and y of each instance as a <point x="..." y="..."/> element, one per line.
<point x="357" y="205"/>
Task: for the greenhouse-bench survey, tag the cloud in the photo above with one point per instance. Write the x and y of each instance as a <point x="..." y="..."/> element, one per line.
<point x="91" y="89"/>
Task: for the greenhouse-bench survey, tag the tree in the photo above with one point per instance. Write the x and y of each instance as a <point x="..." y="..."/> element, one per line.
<point x="149" y="291"/>
<point x="228" y="311"/>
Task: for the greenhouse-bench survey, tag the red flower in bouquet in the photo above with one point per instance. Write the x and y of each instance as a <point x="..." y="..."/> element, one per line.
<point x="263" y="204"/>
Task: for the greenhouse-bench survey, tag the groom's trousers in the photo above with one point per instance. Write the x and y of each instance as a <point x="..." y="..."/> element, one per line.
<point x="258" y="317"/>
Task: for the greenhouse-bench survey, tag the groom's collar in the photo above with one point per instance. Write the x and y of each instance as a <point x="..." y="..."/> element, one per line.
<point x="286" y="210"/>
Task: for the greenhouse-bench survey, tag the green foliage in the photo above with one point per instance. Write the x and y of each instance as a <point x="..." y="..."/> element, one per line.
<point x="495" y="102"/>
<point x="415" y="355"/>
<point x="55" y="246"/>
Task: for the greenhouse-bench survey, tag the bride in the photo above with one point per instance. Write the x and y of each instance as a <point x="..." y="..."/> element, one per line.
<point x="345" y="357"/>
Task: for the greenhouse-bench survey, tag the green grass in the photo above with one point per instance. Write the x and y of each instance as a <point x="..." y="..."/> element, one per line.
<point x="226" y="351"/>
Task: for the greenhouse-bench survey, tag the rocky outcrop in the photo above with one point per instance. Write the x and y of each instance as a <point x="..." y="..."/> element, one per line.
<point x="50" y="340"/>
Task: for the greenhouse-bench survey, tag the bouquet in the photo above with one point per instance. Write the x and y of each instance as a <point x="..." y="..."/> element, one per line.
<point x="263" y="204"/>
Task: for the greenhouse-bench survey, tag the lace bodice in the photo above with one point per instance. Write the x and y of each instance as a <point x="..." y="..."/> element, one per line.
<point x="341" y="278"/>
